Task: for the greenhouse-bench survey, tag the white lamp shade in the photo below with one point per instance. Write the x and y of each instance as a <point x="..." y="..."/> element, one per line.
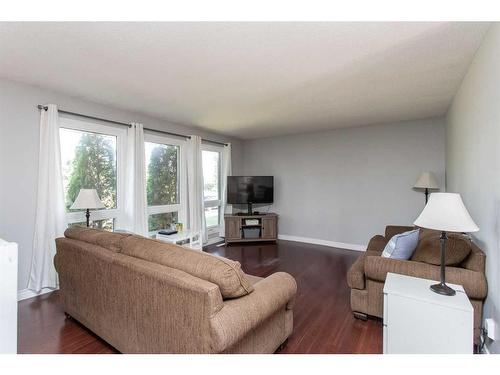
<point x="446" y="212"/>
<point x="427" y="180"/>
<point x="87" y="199"/>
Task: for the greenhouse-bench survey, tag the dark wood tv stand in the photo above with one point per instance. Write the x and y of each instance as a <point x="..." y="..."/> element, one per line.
<point x="238" y="229"/>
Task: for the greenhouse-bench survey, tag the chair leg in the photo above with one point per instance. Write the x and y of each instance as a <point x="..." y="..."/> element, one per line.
<point x="360" y="316"/>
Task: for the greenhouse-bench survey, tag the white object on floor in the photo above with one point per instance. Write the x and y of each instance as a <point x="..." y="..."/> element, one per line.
<point x="420" y="321"/>
<point x="8" y="297"/>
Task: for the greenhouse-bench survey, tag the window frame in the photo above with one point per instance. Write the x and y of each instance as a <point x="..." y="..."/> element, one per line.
<point x="121" y="143"/>
<point x="181" y="207"/>
<point x="215" y="229"/>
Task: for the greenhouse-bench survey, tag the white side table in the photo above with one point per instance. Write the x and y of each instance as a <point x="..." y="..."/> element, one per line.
<point x="417" y="320"/>
<point x="184" y="238"/>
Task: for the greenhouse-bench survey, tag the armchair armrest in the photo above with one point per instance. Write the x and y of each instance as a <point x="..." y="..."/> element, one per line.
<point x="239" y="316"/>
<point x="356" y="274"/>
<point x="377" y="243"/>
<point x="392" y="230"/>
<point x="474" y="283"/>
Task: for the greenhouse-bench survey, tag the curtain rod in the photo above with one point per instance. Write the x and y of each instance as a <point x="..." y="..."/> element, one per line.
<point x="129" y="125"/>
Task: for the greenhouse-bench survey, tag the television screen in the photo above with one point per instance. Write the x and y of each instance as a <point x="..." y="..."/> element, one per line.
<point x="250" y="189"/>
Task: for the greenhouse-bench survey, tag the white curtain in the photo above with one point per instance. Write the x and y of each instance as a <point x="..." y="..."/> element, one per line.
<point x="50" y="219"/>
<point x="195" y="189"/>
<point x="135" y="202"/>
<point x="225" y="171"/>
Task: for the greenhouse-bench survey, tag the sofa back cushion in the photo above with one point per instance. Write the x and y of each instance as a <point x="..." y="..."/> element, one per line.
<point x="458" y="248"/>
<point x="476" y="261"/>
<point x="109" y="240"/>
<point x="225" y="273"/>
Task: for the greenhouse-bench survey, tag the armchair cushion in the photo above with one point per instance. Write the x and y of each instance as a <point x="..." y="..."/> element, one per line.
<point x="474" y="283"/>
<point x="401" y="246"/>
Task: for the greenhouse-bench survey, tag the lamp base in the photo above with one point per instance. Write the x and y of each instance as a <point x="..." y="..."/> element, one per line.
<point x="443" y="289"/>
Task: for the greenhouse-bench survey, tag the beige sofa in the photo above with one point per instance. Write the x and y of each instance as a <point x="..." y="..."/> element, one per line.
<point x="366" y="277"/>
<point x="146" y="296"/>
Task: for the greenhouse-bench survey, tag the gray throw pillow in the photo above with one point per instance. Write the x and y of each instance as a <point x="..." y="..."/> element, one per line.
<point x="401" y="246"/>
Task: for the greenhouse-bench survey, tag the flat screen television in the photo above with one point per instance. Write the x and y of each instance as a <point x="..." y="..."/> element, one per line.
<point x="249" y="190"/>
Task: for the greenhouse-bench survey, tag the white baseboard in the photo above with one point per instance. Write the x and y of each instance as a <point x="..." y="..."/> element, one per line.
<point x="317" y="241"/>
<point x="28" y="293"/>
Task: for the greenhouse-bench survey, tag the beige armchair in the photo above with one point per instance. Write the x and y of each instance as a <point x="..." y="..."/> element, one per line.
<point x="366" y="276"/>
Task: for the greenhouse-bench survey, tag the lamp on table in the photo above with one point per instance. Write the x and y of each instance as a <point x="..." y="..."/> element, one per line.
<point x="87" y="199"/>
<point x="447" y="213"/>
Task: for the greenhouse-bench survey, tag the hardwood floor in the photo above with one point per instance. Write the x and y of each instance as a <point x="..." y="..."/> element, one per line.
<point x="43" y="328"/>
<point x="323" y="322"/>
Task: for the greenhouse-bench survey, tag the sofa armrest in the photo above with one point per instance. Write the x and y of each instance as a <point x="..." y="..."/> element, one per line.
<point x="240" y="316"/>
<point x="474" y="283"/>
<point x="392" y="230"/>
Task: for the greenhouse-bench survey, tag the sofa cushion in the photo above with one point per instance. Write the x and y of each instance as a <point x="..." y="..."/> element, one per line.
<point x="401" y="246"/>
<point x="225" y="273"/>
<point x="109" y="240"/>
<point x="476" y="261"/>
<point x="458" y="247"/>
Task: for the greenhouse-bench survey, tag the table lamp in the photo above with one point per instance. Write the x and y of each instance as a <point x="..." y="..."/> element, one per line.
<point x="445" y="212"/>
<point x="426" y="181"/>
<point x="87" y="199"/>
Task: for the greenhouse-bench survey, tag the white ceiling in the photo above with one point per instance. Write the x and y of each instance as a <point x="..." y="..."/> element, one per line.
<point x="249" y="80"/>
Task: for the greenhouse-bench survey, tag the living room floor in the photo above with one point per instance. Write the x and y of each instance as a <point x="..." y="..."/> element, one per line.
<point x="323" y="322"/>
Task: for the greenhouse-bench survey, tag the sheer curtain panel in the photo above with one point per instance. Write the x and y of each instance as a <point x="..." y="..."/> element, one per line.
<point x="225" y="171"/>
<point x="135" y="203"/>
<point x="50" y="219"/>
<point x="195" y="189"/>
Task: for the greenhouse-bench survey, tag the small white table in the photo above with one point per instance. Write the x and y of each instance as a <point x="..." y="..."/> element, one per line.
<point x="417" y="320"/>
<point x="183" y="238"/>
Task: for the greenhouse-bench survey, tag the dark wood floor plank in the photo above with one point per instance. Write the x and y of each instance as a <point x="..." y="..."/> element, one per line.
<point x="323" y="322"/>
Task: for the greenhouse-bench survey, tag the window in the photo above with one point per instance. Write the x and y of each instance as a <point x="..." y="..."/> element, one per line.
<point x="164" y="181"/>
<point x="211" y="156"/>
<point x="91" y="158"/>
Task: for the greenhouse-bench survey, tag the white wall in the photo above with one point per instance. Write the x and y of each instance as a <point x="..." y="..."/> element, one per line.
<point x="19" y="133"/>
<point x="345" y="185"/>
<point x="473" y="157"/>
